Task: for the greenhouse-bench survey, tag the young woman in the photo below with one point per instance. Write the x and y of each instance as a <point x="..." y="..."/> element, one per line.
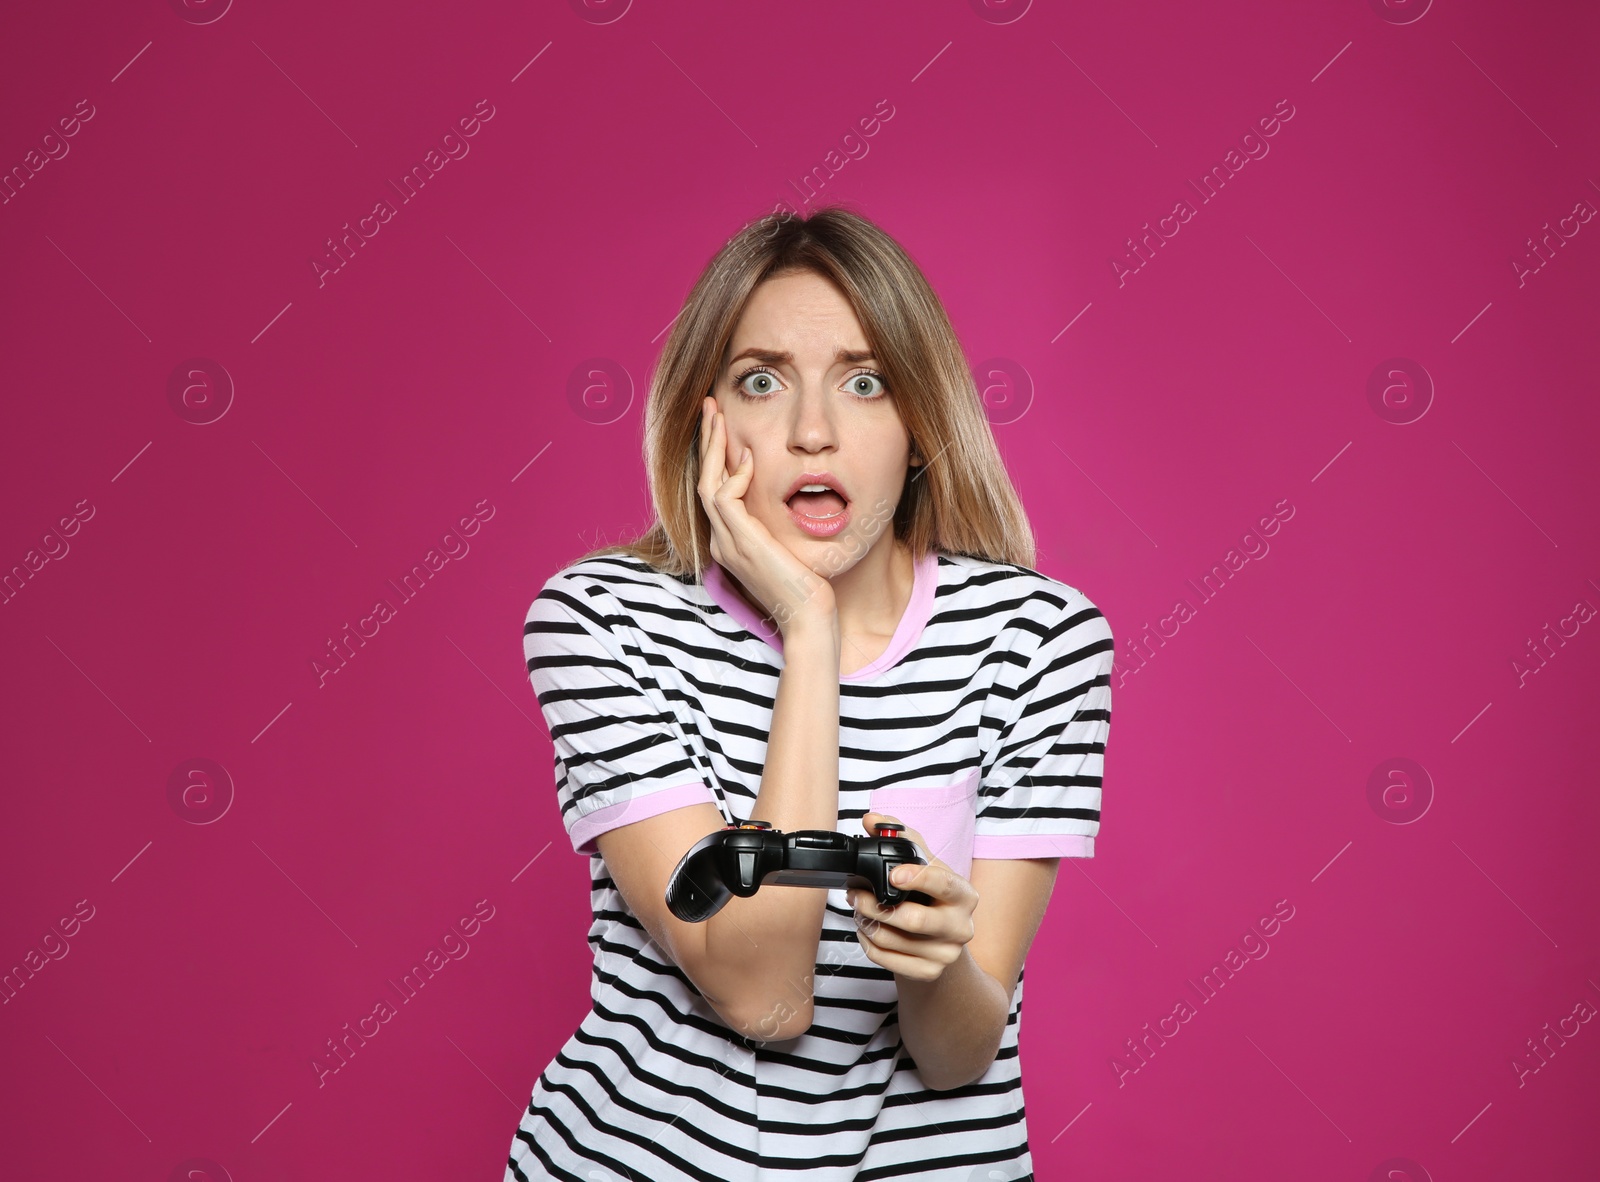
<point x="832" y="621"/>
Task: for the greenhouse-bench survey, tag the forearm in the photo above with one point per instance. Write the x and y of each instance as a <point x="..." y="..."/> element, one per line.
<point x="767" y="944"/>
<point x="952" y="1026"/>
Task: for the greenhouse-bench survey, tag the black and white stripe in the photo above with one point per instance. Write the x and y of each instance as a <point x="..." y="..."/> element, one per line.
<point x="988" y="735"/>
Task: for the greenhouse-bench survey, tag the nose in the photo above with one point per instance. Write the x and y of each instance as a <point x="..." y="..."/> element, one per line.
<point x="812" y="428"/>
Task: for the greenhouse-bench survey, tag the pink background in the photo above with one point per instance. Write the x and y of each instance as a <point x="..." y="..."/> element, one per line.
<point x="1149" y="422"/>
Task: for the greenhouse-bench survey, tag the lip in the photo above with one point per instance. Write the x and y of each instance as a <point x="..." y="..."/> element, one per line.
<point x="821" y="527"/>
<point x="806" y="478"/>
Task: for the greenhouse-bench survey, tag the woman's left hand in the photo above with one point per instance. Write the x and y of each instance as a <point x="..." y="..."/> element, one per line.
<point x="916" y="940"/>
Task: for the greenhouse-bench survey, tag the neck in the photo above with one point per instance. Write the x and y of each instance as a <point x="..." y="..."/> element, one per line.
<point x="872" y="595"/>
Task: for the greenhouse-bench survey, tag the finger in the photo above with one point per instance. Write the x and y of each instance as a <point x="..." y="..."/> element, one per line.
<point x="742" y="472"/>
<point x="871" y="819"/>
<point x="719" y="448"/>
<point x="727" y="514"/>
<point x="893" y="939"/>
<point x="711" y="468"/>
<point x="749" y="537"/>
<point x="712" y="475"/>
<point x="936" y="880"/>
<point x="916" y="921"/>
<point x="904" y="964"/>
<point x="933" y="933"/>
<point x="705" y="442"/>
<point x="736" y="484"/>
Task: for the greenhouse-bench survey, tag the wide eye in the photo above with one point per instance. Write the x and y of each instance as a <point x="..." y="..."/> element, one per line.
<point x="746" y="383"/>
<point x="862" y="384"/>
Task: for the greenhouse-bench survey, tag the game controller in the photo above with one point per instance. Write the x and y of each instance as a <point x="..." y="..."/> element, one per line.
<point x="743" y="857"/>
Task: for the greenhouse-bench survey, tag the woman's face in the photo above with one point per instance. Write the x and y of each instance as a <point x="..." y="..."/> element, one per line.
<point x="802" y="408"/>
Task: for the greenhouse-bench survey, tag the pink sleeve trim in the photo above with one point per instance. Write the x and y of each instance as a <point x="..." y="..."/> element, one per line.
<point x="1032" y="845"/>
<point x="589" y="826"/>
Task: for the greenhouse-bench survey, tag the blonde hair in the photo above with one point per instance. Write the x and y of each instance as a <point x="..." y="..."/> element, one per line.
<point x="959" y="500"/>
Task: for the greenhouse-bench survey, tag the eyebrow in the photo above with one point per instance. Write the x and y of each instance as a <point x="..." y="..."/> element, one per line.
<point x="779" y="357"/>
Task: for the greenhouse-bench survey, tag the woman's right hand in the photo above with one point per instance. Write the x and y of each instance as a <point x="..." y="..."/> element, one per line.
<point x="769" y="571"/>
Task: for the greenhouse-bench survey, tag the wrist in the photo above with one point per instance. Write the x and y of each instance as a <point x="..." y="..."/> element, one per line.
<point x="812" y="628"/>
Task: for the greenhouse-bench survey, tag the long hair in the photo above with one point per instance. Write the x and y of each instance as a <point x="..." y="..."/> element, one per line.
<point x="959" y="500"/>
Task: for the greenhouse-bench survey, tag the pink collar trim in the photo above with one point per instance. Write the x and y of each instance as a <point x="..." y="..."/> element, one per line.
<point x="919" y="610"/>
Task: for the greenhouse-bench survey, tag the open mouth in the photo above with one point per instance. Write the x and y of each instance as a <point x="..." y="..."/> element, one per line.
<point x="818" y="508"/>
<point x="817" y="505"/>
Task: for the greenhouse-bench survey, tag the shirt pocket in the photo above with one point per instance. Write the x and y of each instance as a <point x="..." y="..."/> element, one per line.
<point x="944" y="814"/>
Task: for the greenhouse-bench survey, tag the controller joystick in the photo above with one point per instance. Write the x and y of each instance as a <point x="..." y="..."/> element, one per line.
<point x="742" y="857"/>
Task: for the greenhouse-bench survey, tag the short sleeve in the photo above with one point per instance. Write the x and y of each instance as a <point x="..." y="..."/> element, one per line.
<point x="1039" y="796"/>
<point x="619" y="753"/>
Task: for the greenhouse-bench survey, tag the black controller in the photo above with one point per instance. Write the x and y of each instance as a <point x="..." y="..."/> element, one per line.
<point x="742" y="858"/>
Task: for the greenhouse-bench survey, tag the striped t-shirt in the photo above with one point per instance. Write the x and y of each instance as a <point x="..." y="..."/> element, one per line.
<point x="982" y="726"/>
